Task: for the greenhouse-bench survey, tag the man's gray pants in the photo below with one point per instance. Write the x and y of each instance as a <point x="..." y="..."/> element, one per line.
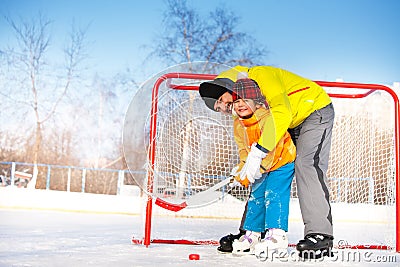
<point x="313" y="143"/>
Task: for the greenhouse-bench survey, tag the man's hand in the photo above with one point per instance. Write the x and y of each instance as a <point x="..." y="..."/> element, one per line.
<point x="251" y="169"/>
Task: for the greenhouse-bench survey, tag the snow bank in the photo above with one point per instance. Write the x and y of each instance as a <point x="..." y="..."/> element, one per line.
<point x="69" y="201"/>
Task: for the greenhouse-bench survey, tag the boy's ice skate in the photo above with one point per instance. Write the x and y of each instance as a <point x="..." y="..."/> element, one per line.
<point x="274" y="245"/>
<point x="315" y="246"/>
<point x="246" y="243"/>
<point x="225" y="243"/>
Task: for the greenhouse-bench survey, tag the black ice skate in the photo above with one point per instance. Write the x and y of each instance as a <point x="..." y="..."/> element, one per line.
<point x="225" y="243"/>
<point x="315" y="246"/>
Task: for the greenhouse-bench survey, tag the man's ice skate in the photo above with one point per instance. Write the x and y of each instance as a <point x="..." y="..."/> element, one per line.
<point x="225" y="243"/>
<point x="274" y="245"/>
<point x="315" y="246"/>
<point x="246" y="243"/>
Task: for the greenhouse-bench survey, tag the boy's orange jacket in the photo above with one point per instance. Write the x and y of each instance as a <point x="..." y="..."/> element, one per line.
<point x="248" y="131"/>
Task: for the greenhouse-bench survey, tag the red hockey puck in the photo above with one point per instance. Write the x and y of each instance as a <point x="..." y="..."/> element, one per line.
<point x="194" y="257"/>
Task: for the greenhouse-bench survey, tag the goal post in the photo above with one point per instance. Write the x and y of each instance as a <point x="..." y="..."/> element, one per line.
<point x="190" y="149"/>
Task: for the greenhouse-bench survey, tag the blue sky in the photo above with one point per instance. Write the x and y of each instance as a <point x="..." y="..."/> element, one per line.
<point x="356" y="40"/>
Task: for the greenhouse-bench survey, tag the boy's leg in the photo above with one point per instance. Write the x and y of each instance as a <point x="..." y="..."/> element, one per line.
<point x="225" y="243"/>
<point x="255" y="219"/>
<point x="255" y="215"/>
<point x="277" y="196"/>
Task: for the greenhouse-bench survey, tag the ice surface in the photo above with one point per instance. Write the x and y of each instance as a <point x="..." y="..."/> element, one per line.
<point x="51" y="238"/>
<point x="44" y="228"/>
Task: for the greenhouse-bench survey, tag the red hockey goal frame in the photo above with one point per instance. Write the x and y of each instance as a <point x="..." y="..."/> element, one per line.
<point x="151" y="157"/>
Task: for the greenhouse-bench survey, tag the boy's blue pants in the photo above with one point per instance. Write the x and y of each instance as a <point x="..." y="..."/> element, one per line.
<point x="268" y="204"/>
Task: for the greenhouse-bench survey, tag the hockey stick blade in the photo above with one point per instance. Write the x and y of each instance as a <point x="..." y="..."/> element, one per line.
<point x="209" y="195"/>
<point x="199" y="199"/>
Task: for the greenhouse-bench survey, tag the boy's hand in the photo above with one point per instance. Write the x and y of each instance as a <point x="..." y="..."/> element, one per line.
<point x="251" y="169"/>
<point x="234" y="176"/>
<point x="236" y="181"/>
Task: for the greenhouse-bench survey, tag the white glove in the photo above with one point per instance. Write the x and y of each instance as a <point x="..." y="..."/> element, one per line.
<point x="251" y="169"/>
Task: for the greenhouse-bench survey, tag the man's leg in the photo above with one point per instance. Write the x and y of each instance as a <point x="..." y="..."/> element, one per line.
<point x="313" y="148"/>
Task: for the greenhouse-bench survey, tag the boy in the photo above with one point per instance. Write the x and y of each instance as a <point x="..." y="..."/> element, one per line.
<point x="268" y="204"/>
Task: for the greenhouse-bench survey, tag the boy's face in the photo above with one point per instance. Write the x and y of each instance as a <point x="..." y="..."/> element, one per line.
<point x="244" y="108"/>
<point x="224" y="103"/>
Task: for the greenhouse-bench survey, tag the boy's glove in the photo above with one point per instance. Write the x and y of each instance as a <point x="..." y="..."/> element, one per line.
<point x="251" y="169"/>
<point x="234" y="176"/>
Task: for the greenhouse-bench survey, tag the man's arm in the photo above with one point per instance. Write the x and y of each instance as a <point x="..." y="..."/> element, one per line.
<point x="273" y="89"/>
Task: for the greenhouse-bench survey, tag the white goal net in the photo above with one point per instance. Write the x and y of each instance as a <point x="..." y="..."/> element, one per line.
<point x="190" y="148"/>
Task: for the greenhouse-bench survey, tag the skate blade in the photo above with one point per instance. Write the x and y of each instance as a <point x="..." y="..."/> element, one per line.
<point x="224" y="252"/>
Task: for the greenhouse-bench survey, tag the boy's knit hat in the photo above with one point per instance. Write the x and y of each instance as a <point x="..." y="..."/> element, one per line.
<point x="247" y="89"/>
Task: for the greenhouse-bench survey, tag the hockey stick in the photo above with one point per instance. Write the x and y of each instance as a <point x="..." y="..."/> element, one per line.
<point x="200" y="199"/>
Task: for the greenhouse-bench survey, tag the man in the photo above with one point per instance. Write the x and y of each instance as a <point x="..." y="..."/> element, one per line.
<point x="303" y="108"/>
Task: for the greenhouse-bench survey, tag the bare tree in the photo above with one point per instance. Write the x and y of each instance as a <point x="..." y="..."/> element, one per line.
<point x="187" y="38"/>
<point x="101" y="119"/>
<point x="37" y="88"/>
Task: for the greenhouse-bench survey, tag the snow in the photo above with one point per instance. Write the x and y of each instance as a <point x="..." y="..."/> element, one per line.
<point x="43" y="237"/>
